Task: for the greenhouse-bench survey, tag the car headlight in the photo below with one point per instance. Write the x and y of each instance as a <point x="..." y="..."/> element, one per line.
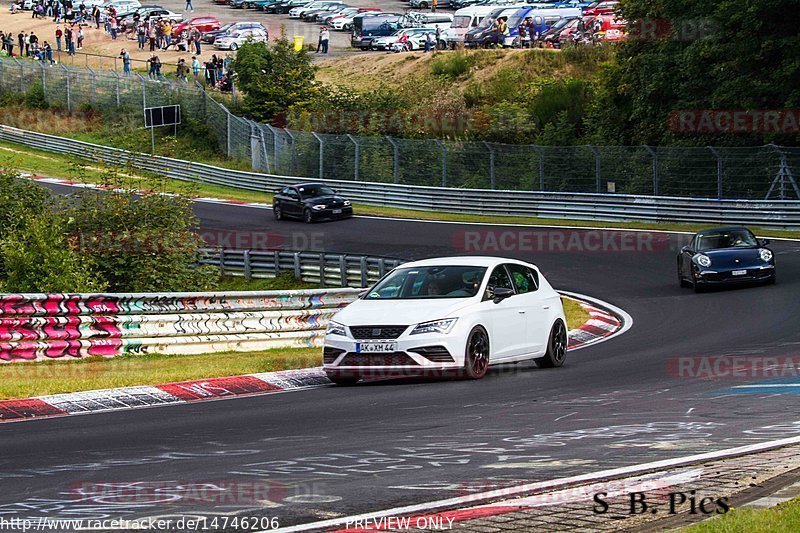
<point x="347" y="202"/>
<point x="318" y="207"/>
<point x="434" y="326"/>
<point x="334" y="328"/>
<point x="703" y="260"/>
<point x="765" y="255"/>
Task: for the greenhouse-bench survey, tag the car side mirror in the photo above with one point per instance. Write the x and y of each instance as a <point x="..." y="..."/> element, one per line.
<point x="501" y="293"/>
<point x="764" y="242"/>
<point x="686" y="249"/>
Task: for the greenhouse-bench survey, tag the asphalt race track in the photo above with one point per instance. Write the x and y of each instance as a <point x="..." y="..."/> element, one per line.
<point x="324" y="453"/>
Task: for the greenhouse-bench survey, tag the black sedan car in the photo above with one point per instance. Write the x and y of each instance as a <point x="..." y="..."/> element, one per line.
<point x="310" y="202"/>
<point x="724" y="256"/>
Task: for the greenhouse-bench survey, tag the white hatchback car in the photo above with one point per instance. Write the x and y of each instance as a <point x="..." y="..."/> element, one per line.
<point x="452" y="313"/>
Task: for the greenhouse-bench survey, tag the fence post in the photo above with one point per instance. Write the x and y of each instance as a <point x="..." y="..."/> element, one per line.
<point x="541" y="166"/>
<point x="91" y="73"/>
<point x="276" y="259"/>
<point x="381" y="267"/>
<point x="69" y="95"/>
<point x="21" y="75"/>
<point x="322" y="270"/>
<point x="116" y="79"/>
<point x="274" y="133"/>
<point x="655" y="169"/>
<point x="144" y="91"/>
<point x="343" y="270"/>
<point x="44" y="81"/>
<point x="228" y="133"/>
<point x="396" y="174"/>
<point x="358" y="153"/>
<point x="719" y="171"/>
<point x="2" y="72"/>
<point x="363" y="268"/>
<point x="321" y="154"/>
<point x="264" y="148"/>
<point x="596" y="167"/>
<point x="291" y="155"/>
<point x="298" y="272"/>
<point x="491" y="163"/>
<point x="222" y="261"/>
<point x="444" y="161"/>
<point x="248" y="274"/>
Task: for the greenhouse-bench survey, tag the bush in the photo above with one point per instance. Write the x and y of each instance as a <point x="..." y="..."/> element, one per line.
<point x="19" y="199"/>
<point x="140" y="242"/>
<point x="34" y="97"/>
<point x="451" y="65"/>
<point x="37" y="258"/>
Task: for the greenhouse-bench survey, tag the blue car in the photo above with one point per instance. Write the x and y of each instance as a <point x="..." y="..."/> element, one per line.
<point x="724" y="256"/>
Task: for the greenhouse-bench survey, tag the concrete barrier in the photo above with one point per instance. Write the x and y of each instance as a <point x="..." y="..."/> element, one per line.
<point x="55" y="326"/>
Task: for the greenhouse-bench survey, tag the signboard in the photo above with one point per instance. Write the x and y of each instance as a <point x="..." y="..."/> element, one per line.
<point x="169" y="115"/>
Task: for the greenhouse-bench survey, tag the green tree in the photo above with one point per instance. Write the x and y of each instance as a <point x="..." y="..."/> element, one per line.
<point x="37" y="257"/>
<point x="722" y="55"/>
<point x="140" y="242"/>
<point x="273" y="78"/>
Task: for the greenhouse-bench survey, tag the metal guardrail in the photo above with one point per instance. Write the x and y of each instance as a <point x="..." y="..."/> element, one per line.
<point x="755" y="172"/>
<point x="784" y="214"/>
<point x="329" y="270"/>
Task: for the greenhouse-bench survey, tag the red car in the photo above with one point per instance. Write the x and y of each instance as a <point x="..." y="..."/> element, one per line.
<point x="204" y="24"/>
<point x="605" y="7"/>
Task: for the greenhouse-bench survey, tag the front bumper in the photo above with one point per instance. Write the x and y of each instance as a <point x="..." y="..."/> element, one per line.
<point x="415" y="355"/>
<point x="710" y="276"/>
<point x="328" y="214"/>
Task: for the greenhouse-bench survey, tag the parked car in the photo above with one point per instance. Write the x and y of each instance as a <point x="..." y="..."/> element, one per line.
<point x="284" y="7"/>
<point x="367" y="27"/>
<point x="211" y="36"/>
<point x="298" y="12"/>
<point x="457" y="314"/>
<point x="232" y="41"/>
<point x="148" y="12"/>
<point x="604" y="7"/>
<point x="347" y="12"/>
<point x="426" y="4"/>
<point x="312" y="14"/>
<point x="202" y="24"/>
<point x="412" y="39"/>
<point x="723" y="256"/>
<point x="542" y="20"/>
<point x="552" y="37"/>
<point x="310" y="202"/>
<point x="122" y="6"/>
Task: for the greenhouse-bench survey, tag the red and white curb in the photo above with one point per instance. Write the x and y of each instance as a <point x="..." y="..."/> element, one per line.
<point x="606" y="321"/>
<point x="99" y="401"/>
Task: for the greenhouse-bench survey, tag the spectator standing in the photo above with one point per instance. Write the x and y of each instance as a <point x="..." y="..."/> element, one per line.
<point x="429" y="42"/>
<point x="80" y="37"/>
<point x="96" y="16"/>
<point x="113" y="28"/>
<point x="141" y="35"/>
<point x="21" y="41"/>
<point x="34" y="42"/>
<point x="152" y="37"/>
<point x="126" y="62"/>
<point x="167" y="34"/>
<point x="438" y="35"/>
<point x="59" y="35"/>
<point x="151" y="66"/>
<point x="48" y="52"/>
<point x="10" y="45"/>
<point x="197" y="36"/>
<point x="27" y="45"/>
<point x="195" y="68"/>
<point x="183" y="71"/>
<point x="434" y="5"/>
<point x="189" y="6"/>
<point x="324" y="36"/>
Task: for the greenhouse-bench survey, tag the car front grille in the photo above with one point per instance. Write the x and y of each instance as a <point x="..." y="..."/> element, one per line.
<point x="377" y="332"/>
<point x="378" y="359"/>
<point x="330" y="354"/>
<point x="435" y="354"/>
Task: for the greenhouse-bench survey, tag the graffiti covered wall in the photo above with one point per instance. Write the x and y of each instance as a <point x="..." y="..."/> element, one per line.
<point x="49" y="326"/>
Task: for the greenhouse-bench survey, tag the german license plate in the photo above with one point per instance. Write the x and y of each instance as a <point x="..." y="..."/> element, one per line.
<point x="337" y="211"/>
<point x="739" y="272"/>
<point x="376" y="347"/>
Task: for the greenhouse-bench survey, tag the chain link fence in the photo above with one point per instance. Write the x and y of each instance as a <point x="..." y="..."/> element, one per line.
<point x="764" y="172"/>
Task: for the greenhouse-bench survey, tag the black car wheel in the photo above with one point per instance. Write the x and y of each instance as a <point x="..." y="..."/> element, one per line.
<point x="277" y="212"/>
<point x="476" y="361"/>
<point x="556" y="352"/>
<point x="307" y="217"/>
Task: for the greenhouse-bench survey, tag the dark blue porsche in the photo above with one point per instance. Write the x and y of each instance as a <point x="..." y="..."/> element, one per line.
<point x="725" y="255"/>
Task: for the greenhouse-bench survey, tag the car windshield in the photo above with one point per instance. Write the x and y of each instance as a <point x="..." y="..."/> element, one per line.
<point x="312" y="191"/>
<point x="461" y="21"/>
<point x="739" y="238"/>
<point x="429" y="282"/>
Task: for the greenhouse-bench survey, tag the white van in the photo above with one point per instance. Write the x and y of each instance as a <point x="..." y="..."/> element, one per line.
<point x="464" y="20"/>
<point x="417" y="19"/>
